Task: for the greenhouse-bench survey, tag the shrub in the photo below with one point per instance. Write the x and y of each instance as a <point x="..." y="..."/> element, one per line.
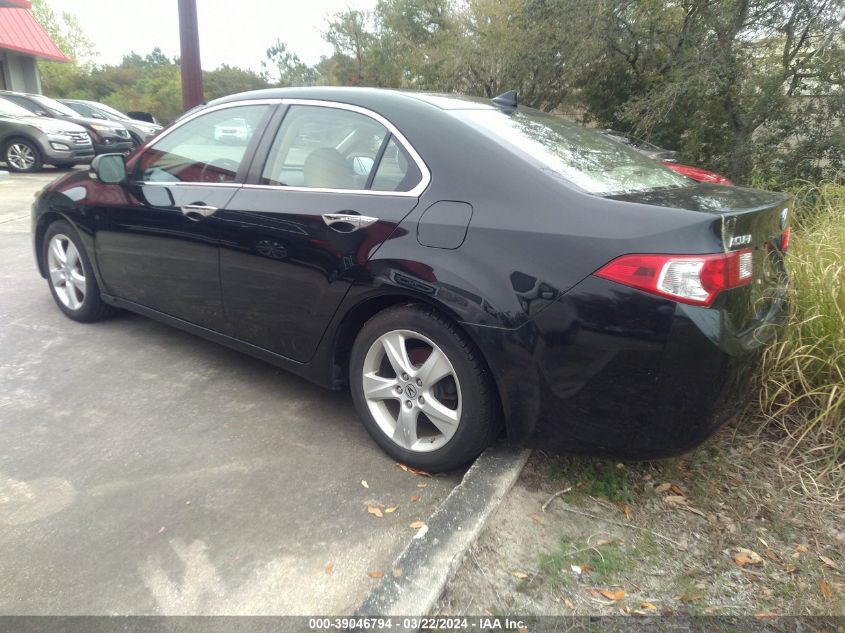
<point x="803" y="379"/>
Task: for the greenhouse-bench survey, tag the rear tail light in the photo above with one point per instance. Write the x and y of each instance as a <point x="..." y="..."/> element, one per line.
<point x="693" y="279"/>
<point x="784" y="240"/>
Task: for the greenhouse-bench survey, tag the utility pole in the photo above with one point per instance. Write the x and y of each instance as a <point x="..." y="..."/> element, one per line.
<point x="189" y="38"/>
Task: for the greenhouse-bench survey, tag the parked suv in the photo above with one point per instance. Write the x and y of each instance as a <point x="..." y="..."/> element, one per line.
<point x="27" y="141"/>
<point x="108" y="137"/>
<point x="140" y="131"/>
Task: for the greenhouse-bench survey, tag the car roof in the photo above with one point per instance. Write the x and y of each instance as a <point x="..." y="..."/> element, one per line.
<point x="368" y="97"/>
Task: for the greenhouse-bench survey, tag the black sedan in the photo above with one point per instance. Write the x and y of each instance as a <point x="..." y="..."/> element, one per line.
<point x="464" y="267"/>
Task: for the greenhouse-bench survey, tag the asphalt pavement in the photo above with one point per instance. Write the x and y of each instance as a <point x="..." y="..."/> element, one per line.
<point x="147" y="471"/>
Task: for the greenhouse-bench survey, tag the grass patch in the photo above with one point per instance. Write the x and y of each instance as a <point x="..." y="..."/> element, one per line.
<point x="602" y="564"/>
<point x="802" y="394"/>
<point x="594" y="477"/>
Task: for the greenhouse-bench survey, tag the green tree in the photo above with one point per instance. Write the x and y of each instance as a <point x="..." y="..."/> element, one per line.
<point x="284" y="68"/>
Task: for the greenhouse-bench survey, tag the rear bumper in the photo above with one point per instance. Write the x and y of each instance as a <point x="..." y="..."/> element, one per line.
<point x="608" y="370"/>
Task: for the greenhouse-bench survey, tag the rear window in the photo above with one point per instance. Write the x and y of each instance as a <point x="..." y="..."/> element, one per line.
<point x="581" y="156"/>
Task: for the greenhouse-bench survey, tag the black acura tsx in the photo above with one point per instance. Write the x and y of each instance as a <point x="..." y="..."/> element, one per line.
<point x="464" y="267"/>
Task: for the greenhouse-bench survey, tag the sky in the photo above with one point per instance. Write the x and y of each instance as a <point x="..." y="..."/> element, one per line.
<point x="236" y="32"/>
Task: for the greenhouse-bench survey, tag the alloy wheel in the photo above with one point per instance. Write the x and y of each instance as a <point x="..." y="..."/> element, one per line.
<point x="20" y="156"/>
<point x="412" y="390"/>
<point x="66" y="271"/>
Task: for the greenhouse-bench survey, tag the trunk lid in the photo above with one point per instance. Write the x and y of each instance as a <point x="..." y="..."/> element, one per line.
<point x="746" y="219"/>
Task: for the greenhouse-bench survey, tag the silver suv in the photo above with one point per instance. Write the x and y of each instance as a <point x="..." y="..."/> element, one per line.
<point x="27" y="141"/>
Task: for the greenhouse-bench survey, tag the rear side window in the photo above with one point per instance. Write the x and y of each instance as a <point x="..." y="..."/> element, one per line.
<point x="324" y="148"/>
<point x="583" y="157"/>
<point x="207" y="149"/>
<point x="396" y="171"/>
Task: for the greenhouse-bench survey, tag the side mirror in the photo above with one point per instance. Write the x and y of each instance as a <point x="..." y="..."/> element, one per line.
<point x="109" y="169"/>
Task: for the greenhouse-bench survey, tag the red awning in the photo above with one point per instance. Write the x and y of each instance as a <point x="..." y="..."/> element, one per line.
<point x="20" y="32"/>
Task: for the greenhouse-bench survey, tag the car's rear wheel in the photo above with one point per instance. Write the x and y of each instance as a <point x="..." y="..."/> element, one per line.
<point x="422" y="390"/>
<point x="22" y="156"/>
<point x="70" y="276"/>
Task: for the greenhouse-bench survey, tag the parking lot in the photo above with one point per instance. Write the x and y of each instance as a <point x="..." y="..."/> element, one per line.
<point x="146" y="471"/>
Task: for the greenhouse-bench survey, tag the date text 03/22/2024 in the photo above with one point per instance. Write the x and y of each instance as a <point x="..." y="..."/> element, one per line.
<point x="417" y="623"/>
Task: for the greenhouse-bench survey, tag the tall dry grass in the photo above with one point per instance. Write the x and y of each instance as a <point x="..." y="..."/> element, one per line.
<point x="802" y="396"/>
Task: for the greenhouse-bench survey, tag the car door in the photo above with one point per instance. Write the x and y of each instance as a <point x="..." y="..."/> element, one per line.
<point x="335" y="183"/>
<point x="159" y="245"/>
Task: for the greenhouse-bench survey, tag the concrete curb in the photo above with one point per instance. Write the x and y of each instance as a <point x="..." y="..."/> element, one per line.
<point x="434" y="554"/>
<point x="3" y="174"/>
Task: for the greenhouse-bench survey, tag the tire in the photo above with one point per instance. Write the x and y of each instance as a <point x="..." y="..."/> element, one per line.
<point x="22" y="156"/>
<point x="418" y="427"/>
<point x="70" y="276"/>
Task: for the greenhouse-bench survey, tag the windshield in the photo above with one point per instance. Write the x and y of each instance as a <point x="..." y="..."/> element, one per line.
<point x="102" y="107"/>
<point x="7" y="108"/>
<point x="634" y="142"/>
<point x="584" y="157"/>
<point x="54" y="106"/>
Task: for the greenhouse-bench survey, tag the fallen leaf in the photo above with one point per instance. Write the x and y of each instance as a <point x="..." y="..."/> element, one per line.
<point x="375" y="511"/>
<point x="827" y="561"/>
<point x="744" y="557"/>
<point x="765" y="615"/>
<point x="689" y="597"/>
<point x="770" y="554"/>
<point x="647" y="477"/>
<point x="626" y="511"/>
<point x="616" y="596"/>
<point x="569" y="604"/>
<point x="537" y="519"/>
<point x="416" y="525"/>
<point x="649" y="606"/>
<point x="587" y="567"/>
<point x="364" y="483"/>
<point x="415" y="498"/>
<point x="827" y="592"/>
<point x="330" y="568"/>
<point x="413" y="471"/>
<point x="162" y="530"/>
<point x="521" y="629"/>
<point x="519" y="574"/>
<point x="801" y="548"/>
<point x="676" y="490"/>
<point x="695" y="511"/>
<point x="375" y="574"/>
<point x="422" y="484"/>
<point x="662" y="488"/>
<point x="613" y="541"/>
<point x="675" y="499"/>
<point x="620" y="466"/>
<point x="397" y="573"/>
<point x="391" y="509"/>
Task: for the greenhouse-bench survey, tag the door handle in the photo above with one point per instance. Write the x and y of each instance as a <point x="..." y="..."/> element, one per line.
<point x="355" y="220"/>
<point x="192" y="210"/>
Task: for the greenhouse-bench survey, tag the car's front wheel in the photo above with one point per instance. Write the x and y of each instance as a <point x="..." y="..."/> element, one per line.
<point x="422" y="389"/>
<point x="70" y="276"/>
<point x="22" y="156"/>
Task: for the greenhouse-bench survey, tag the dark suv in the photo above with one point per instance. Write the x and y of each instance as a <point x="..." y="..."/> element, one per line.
<point x="108" y="137"/>
<point x="27" y="141"/>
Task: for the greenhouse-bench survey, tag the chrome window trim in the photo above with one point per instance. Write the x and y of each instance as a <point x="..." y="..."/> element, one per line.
<point x="421" y="186"/>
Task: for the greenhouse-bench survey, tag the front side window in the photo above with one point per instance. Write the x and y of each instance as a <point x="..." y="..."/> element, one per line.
<point x="207" y="149"/>
<point x="583" y="157"/>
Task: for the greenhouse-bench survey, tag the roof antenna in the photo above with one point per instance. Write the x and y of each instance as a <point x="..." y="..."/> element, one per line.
<point x="506" y="102"/>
